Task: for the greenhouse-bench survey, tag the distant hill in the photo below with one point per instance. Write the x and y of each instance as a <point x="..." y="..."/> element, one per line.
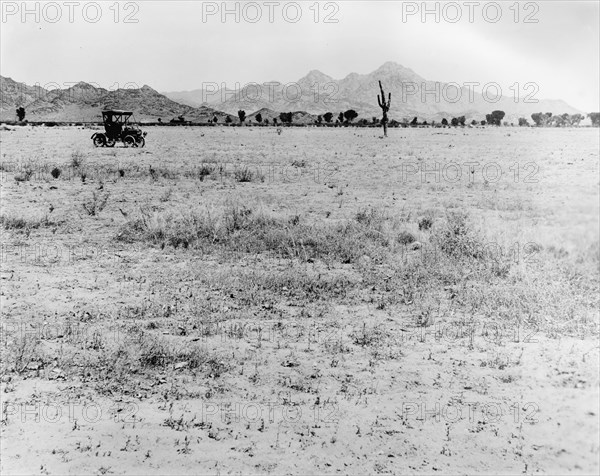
<point x="312" y="95"/>
<point x="318" y="93"/>
<point x="84" y="102"/>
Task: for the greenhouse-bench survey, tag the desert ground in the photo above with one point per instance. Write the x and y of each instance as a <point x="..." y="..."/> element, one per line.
<point x="235" y="300"/>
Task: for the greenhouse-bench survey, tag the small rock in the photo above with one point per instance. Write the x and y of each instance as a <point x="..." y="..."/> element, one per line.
<point x="365" y="260"/>
<point x="416" y="246"/>
<point x="180" y="365"/>
<point x="289" y="363"/>
<point x="34" y="365"/>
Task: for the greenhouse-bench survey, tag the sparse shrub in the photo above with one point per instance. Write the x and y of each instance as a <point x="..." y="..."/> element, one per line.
<point x="405" y="238"/>
<point x="55" y="172"/>
<point x="204" y="170"/>
<point x="366" y="216"/>
<point x="245" y="174"/>
<point x="457" y="238"/>
<point x="366" y="337"/>
<point x="24" y="176"/>
<point x="165" y="197"/>
<point x="77" y="159"/>
<point x="96" y="203"/>
<point x="24" y="350"/>
<point x="425" y="223"/>
<point x="21" y="224"/>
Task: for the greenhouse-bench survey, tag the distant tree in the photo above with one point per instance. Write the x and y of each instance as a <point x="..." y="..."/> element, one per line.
<point x="576" y="119"/>
<point x="228" y="120"/>
<point x="474" y="122"/>
<point x="523" y="122"/>
<point x="595" y="118"/>
<point x="319" y="119"/>
<point x="242" y="116"/>
<point x="266" y="121"/>
<point x="454" y="122"/>
<point x="286" y="117"/>
<point x="495" y="118"/>
<point x="363" y="122"/>
<point x="542" y="119"/>
<point x="558" y="121"/>
<point x="274" y="121"/>
<point x="20" y="113"/>
<point x="374" y="120"/>
<point x="461" y="120"/>
<point x="181" y="118"/>
<point x="425" y="123"/>
<point x="350" y="115"/>
<point x="160" y="120"/>
<point x="215" y="119"/>
<point x="259" y="118"/>
<point x="341" y="117"/>
<point x="328" y="116"/>
<point x="483" y="123"/>
<point x="414" y="122"/>
<point x="444" y="122"/>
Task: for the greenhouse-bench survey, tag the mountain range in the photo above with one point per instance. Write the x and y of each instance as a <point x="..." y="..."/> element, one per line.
<point x="313" y="94"/>
<point x="412" y="96"/>
<point x="84" y="103"/>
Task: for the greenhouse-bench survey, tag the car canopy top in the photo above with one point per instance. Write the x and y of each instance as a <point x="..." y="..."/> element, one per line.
<point x="117" y="115"/>
<point x="117" y="112"/>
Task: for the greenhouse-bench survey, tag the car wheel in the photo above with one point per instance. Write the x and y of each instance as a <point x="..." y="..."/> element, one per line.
<point x="129" y="141"/>
<point x="110" y="142"/>
<point x="141" y="142"/>
<point x="99" y="140"/>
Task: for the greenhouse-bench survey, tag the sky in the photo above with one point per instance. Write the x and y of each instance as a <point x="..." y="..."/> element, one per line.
<point x="181" y="45"/>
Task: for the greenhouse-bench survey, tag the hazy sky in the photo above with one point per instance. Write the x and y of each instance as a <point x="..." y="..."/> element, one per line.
<point x="179" y="45"/>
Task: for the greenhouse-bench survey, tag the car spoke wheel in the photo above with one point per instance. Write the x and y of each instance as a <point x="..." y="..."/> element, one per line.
<point x="129" y="141"/>
<point x="99" y="140"/>
<point x="110" y="142"/>
<point x="141" y="142"/>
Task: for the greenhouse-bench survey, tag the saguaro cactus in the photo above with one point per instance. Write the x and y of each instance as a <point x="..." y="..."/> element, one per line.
<point x="385" y="107"/>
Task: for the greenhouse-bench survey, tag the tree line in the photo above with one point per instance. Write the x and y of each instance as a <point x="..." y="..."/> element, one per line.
<point x="495" y="118"/>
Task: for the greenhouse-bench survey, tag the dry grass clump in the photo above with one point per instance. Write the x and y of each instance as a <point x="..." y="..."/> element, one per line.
<point x="96" y="203"/>
<point x="26" y="173"/>
<point x="246" y="174"/>
<point x="25" y="224"/>
<point x="242" y="229"/>
<point x="298" y="283"/>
